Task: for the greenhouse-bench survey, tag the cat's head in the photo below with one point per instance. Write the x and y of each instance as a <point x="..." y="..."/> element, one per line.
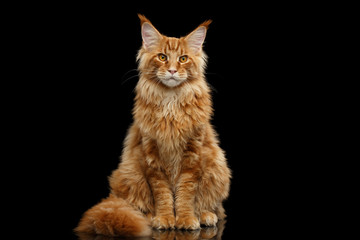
<point x="168" y="60"/>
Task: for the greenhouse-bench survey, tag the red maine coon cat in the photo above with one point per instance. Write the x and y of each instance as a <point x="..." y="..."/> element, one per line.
<point x="172" y="173"/>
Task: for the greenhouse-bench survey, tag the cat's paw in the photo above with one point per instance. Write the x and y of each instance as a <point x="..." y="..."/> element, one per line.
<point x="208" y="219"/>
<point x="187" y="222"/>
<point x="163" y="222"/>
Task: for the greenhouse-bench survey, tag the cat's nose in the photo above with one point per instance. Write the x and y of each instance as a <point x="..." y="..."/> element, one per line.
<point x="172" y="71"/>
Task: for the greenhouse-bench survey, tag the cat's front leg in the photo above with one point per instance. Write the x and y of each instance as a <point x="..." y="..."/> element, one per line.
<point x="187" y="185"/>
<point x="161" y="190"/>
<point x="164" y="204"/>
<point x="184" y="202"/>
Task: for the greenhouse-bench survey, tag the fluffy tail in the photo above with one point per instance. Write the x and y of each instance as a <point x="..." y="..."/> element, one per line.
<point x="114" y="217"/>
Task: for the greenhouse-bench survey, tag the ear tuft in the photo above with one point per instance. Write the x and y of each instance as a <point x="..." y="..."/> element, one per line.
<point x="206" y="23"/>
<point x="142" y="19"/>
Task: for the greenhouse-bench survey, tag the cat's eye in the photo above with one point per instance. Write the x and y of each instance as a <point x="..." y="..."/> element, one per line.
<point x="183" y="59"/>
<point x="162" y="57"/>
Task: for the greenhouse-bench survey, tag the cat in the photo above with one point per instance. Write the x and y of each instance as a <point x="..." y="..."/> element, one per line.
<point x="172" y="172"/>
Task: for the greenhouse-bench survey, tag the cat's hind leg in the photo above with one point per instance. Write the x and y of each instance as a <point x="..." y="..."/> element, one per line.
<point x="213" y="187"/>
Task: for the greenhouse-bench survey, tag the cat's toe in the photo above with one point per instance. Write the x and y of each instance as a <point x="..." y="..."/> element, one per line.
<point x="187" y="222"/>
<point x="163" y="222"/>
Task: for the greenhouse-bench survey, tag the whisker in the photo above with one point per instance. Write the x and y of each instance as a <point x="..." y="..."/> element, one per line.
<point x="212" y="88"/>
<point x="216" y="74"/>
<point x="131" y="70"/>
<point x="123" y="82"/>
<point x="125" y="74"/>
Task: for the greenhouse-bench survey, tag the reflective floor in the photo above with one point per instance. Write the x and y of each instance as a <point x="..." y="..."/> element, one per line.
<point x="204" y="233"/>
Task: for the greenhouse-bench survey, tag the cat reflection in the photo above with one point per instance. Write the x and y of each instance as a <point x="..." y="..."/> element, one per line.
<point x="212" y="233"/>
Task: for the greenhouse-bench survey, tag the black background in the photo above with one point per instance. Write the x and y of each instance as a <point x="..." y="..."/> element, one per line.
<point x="83" y="96"/>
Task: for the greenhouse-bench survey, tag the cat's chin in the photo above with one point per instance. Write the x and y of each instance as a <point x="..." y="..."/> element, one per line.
<point x="171" y="82"/>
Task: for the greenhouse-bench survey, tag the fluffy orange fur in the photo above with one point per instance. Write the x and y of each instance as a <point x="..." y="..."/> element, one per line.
<point x="172" y="172"/>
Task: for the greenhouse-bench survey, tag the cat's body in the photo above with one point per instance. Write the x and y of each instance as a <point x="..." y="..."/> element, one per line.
<point x="172" y="171"/>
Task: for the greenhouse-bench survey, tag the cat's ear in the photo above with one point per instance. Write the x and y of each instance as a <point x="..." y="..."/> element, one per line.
<point x="150" y="35"/>
<point x="196" y="38"/>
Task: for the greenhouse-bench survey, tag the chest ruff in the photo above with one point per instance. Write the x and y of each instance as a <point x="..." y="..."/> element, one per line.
<point x="169" y="120"/>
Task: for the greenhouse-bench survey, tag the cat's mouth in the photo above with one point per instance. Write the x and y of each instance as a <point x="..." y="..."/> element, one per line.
<point x="171" y="81"/>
